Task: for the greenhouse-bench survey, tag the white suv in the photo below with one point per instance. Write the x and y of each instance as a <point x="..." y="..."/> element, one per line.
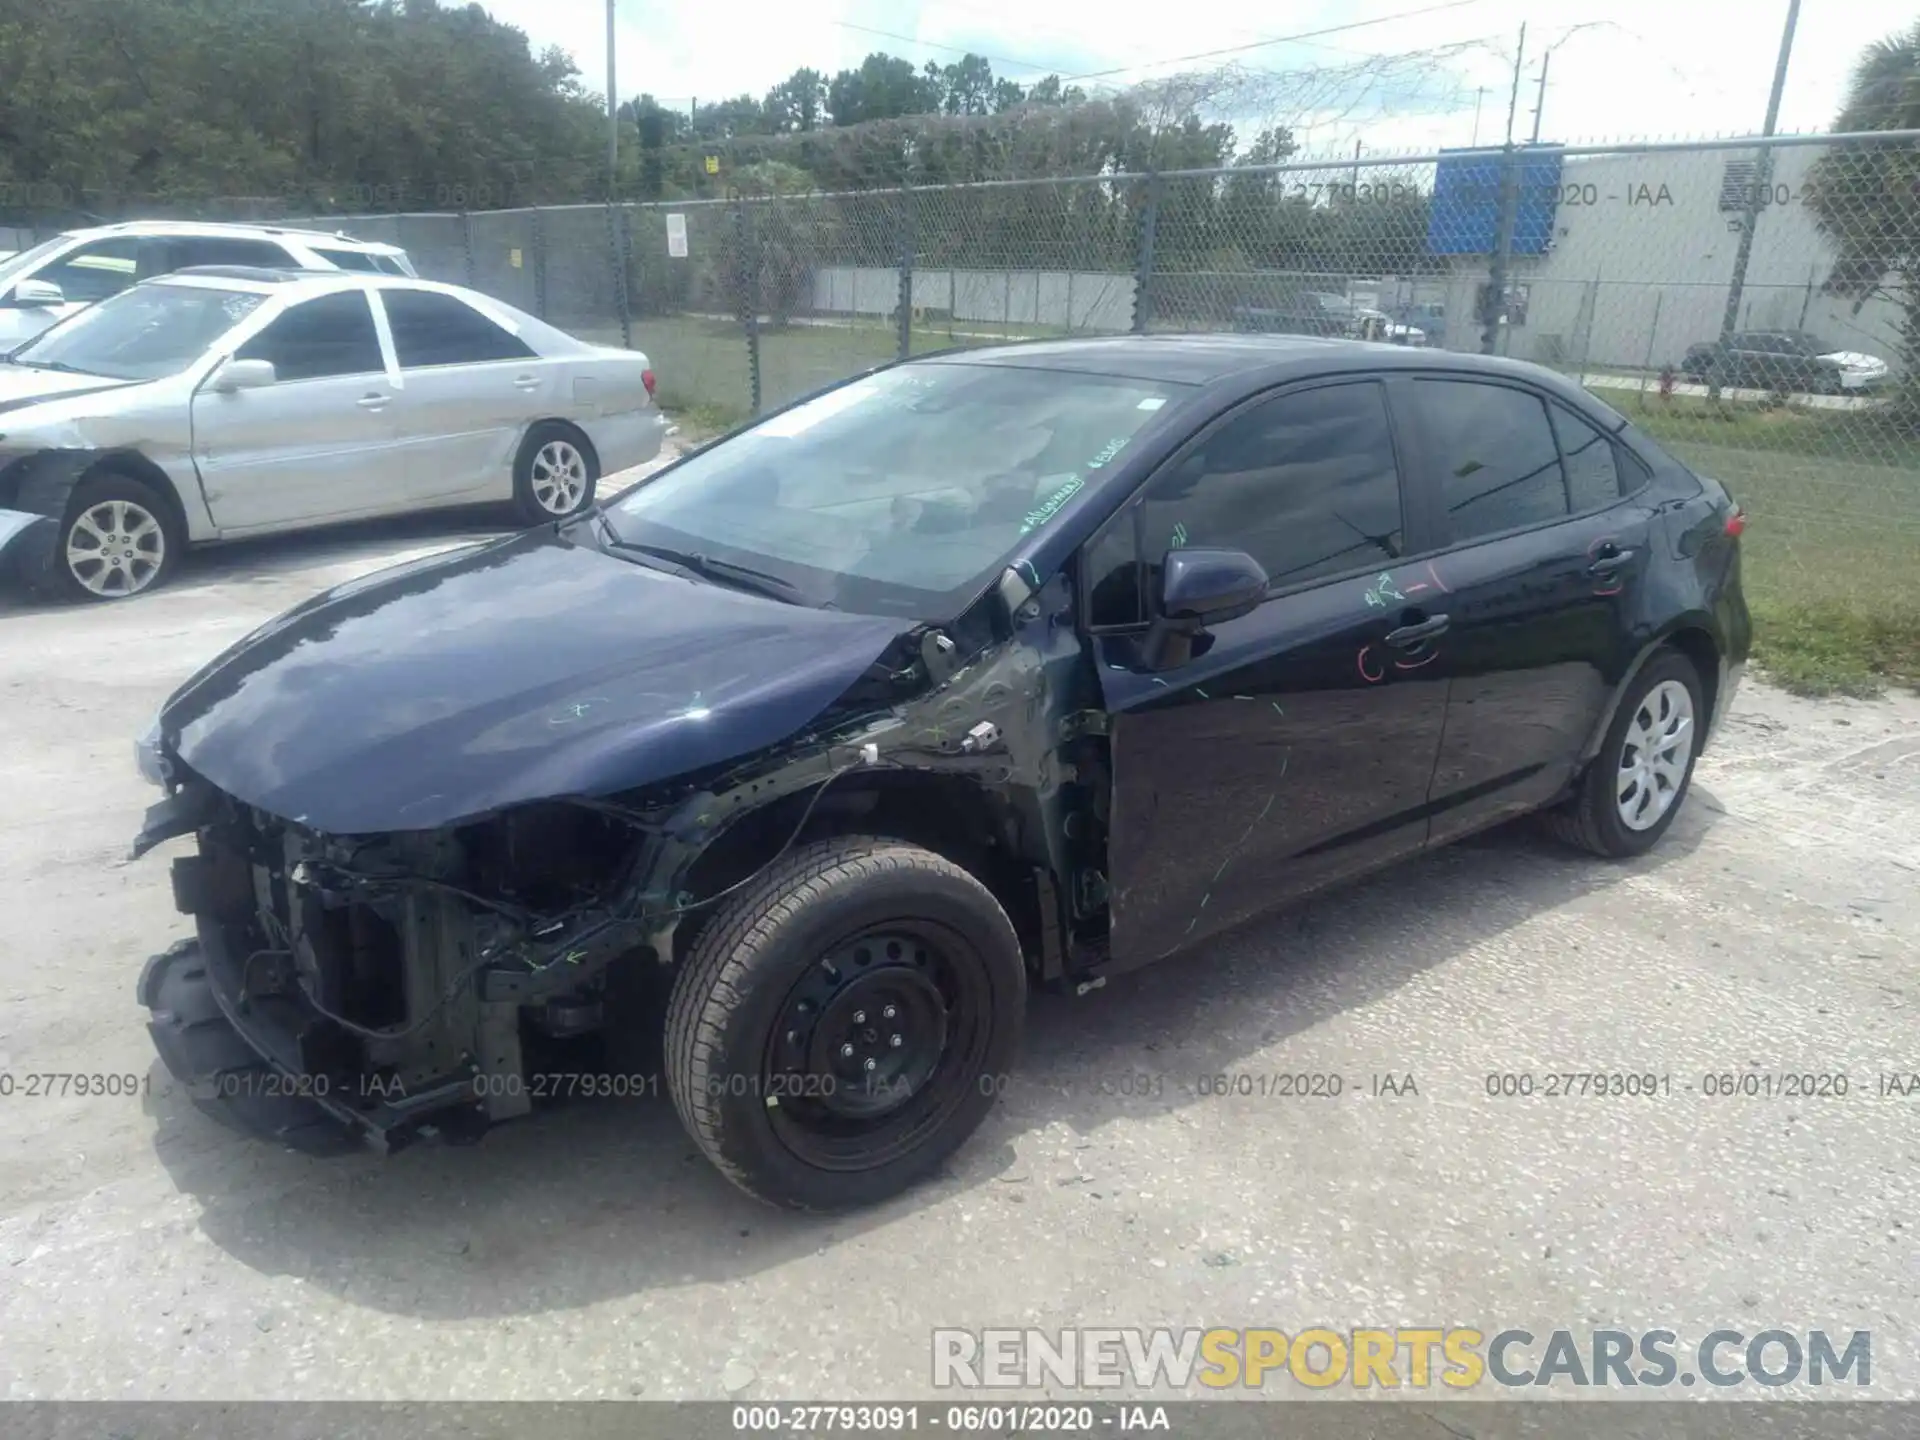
<point x="74" y="270"/>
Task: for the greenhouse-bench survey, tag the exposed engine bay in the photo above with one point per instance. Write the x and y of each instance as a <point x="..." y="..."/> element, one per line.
<point x="424" y="983"/>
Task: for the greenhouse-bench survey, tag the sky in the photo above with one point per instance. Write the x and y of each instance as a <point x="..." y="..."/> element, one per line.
<point x="1427" y="73"/>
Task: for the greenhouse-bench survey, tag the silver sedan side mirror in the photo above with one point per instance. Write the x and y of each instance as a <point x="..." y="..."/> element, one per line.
<point x="241" y="375"/>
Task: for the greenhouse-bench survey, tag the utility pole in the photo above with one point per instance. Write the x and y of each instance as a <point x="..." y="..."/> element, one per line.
<point x="613" y="112"/>
<point x="1478" y="96"/>
<point x="1503" y="246"/>
<point x="1762" y="177"/>
<point x="1540" y="100"/>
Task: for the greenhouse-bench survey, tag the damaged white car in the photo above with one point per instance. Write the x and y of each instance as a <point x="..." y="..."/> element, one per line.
<point x="223" y="402"/>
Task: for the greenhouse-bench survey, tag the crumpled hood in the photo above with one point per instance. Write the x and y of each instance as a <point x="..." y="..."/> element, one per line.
<point x="22" y="385"/>
<point x="533" y="667"/>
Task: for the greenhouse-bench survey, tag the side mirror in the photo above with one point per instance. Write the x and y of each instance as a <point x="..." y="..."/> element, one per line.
<point x="1199" y="588"/>
<point x="241" y="375"/>
<point x="35" y="294"/>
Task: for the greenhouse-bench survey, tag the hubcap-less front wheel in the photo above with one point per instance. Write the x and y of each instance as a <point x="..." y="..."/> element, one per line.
<point x="1654" y="755"/>
<point x="873" y="1048"/>
<point x="116" y="548"/>
<point x="559" y="477"/>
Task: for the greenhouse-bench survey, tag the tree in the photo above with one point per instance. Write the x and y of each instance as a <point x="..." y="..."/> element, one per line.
<point x="797" y="103"/>
<point x="1867" y="198"/>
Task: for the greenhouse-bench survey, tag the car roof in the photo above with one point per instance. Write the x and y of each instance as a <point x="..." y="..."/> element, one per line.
<point x="215" y="229"/>
<point x="304" y="283"/>
<point x="1255" y="361"/>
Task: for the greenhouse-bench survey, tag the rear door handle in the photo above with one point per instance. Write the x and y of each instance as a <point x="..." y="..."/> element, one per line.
<point x="374" y="402"/>
<point x="526" y="382"/>
<point x="1609" y="561"/>
<point x="1408" y="636"/>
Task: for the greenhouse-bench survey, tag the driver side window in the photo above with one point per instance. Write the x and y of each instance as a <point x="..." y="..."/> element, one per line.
<point x="317" y="339"/>
<point x="94" y="271"/>
<point x="1305" y="483"/>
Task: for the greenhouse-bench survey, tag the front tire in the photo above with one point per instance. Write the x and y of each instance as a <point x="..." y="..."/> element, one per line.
<point x="554" y="474"/>
<point x="1635" y="786"/>
<point x="845" y="1022"/>
<point x="118" y="538"/>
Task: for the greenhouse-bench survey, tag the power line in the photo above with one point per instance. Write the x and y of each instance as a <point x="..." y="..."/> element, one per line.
<point x="1303" y="37"/>
<point x="1276" y="40"/>
<point x="955" y="49"/>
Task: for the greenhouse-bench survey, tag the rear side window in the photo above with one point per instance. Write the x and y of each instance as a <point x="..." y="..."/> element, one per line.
<point x="1493" y="451"/>
<point x="434" y="329"/>
<point x="348" y="259"/>
<point x="186" y="251"/>
<point x="1593" y="467"/>
<point x="1305" y="483"/>
<point x="317" y="339"/>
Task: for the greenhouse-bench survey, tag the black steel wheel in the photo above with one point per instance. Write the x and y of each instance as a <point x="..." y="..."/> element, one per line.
<point x="843" y="1024"/>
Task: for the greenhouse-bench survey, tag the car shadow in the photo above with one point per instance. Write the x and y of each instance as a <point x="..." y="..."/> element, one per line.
<point x="600" y="1199"/>
<point x="271" y="559"/>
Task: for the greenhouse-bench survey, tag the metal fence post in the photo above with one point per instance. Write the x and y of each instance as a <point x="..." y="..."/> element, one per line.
<point x="748" y="292"/>
<point x="907" y="215"/>
<point x="466" y="246"/>
<point x="1143" y="271"/>
<point x="626" y="256"/>
<point x="539" y="265"/>
<point x="617" y="267"/>
<point x="1496" y="305"/>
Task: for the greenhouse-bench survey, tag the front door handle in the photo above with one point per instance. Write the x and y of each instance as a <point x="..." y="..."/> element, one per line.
<point x="1609" y="561"/>
<point x="374" y="402"/>
<point x="1418" y="633"/>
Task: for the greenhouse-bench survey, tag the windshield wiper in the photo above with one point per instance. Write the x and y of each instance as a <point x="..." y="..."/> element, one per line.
<point x="59" y="365"/>
<point x="743" y="577"/>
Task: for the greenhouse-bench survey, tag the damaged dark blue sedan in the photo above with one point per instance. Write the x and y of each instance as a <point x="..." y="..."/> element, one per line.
<point x="1007" y="668"/>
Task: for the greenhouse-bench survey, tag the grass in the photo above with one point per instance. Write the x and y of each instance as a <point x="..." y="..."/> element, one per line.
<point x="1834" y="504"/>
<point x="1833" y="496"/>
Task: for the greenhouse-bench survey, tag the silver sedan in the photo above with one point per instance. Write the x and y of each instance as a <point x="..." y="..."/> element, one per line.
<point x="218" y="403"/>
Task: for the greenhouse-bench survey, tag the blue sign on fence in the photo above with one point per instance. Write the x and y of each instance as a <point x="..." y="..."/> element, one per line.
<point x="1464" y="218"/>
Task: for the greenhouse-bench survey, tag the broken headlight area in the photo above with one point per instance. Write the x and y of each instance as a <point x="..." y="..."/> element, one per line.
<point x="424" y="980"/>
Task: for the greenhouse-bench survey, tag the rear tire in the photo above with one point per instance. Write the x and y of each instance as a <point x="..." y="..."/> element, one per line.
<point x="780" y="1007"/>
<point x="118" y="538"/>
<point x="1635" y="786"/>
<point x="554" y="474"/>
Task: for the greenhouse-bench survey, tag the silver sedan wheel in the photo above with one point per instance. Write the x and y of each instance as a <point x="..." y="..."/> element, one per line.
<point x="116" y="548"/>
<point x="559" y="476"/>
<point x="1654" y="756"/>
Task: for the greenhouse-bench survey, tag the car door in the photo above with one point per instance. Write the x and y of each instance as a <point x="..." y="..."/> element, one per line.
<point x="1297" y="749"/>
<point x="1543" y="564"/>
<point x="469" y="389"/>
<point x="318" y="443"/>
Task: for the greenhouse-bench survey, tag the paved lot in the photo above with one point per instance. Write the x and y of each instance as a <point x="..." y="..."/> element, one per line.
<point x="587" y="1253"/>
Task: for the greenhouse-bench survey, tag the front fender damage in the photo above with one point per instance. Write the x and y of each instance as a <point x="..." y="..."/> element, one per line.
<point x="416" y="981"/>
<point x="34" y="491"/>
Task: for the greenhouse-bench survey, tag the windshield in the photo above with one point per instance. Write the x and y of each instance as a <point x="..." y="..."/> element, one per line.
<point x="142" y="333"/>
<point x="14" y="266"/>
<point x="899" y="494"/>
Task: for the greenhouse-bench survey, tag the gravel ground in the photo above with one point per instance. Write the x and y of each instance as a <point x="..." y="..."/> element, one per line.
<point x="588" y="1253"/>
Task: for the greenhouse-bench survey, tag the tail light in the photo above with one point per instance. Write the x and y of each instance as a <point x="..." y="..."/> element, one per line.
<point x="646" y="379"/>
<point x="1737" y="523"/>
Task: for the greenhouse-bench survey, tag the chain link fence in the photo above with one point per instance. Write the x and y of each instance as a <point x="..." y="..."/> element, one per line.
<point x="1744" y="302"/>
